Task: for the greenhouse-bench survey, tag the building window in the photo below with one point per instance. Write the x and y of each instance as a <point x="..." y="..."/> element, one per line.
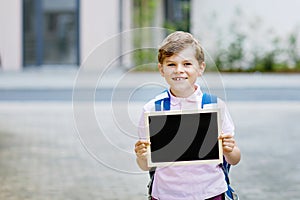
<point x="50" y="32"/>
<point x="177" y="15"/>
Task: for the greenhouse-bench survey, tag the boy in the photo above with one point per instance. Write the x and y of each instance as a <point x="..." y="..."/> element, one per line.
<point x="181" y="62"/>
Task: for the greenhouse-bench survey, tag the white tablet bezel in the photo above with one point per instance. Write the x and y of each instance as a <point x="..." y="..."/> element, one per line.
<point x="162" y="164"/>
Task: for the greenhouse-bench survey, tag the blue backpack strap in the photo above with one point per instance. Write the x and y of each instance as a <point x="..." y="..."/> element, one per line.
<point x="158" y="105"/>
<point x="166" y="102"/>
<point x="150" y="184"/>
<point x="230" y="193"/>
<point x="208" y="99"/>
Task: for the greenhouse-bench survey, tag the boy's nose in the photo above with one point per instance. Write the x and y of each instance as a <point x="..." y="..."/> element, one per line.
<point x="179" y="68"/>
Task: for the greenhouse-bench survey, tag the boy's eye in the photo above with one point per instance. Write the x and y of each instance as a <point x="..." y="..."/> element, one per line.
<point x="187" y="64"/>
<point x="171" y="65"/>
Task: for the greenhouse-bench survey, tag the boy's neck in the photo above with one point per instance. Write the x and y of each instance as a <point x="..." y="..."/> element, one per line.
<point x="185" y="93"/>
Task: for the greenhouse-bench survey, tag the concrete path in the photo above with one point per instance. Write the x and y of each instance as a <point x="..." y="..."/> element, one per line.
<point x="44" y="157"/>
<point x="53" y="150"/>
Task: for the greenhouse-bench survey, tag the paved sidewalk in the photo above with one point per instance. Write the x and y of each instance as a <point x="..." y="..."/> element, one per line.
<point x="42" y="156"/>
<point x="62" y="78"/>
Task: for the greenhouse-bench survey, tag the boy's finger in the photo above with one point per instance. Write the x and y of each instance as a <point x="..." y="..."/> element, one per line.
<point x="225" y="135"/>
<point x="140" y="142"/>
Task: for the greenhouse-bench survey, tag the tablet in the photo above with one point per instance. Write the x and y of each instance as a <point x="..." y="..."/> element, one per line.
<point x="183" y="137"/>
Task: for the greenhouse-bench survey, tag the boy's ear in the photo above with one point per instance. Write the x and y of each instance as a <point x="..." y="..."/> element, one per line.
<point x="201" y="68"/>
<point x="160" y="68"/>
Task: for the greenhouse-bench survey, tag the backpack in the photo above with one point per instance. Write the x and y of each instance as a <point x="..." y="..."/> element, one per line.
<point x="164" y="103"/>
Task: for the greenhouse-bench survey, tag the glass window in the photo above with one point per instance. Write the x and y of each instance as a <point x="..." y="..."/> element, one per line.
<point x="29" y="32"/>
<point x="177" y="15"/>
<point x="51" y="32"/>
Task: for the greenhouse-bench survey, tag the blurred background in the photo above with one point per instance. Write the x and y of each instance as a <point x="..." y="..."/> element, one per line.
<point x="56" y="54"/>
<point x="239" y="36"/>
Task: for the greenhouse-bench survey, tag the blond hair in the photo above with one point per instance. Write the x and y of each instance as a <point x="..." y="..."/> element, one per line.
<point x="176" y="42"/>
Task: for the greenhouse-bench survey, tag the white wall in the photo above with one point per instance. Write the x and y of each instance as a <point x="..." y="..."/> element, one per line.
<point x="11" y="34"/>
<point x="99" y="22"/>
<point x="261" y="21"/>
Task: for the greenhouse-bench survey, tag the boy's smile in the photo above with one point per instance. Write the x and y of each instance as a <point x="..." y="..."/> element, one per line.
<point x="179" y="78"/>
<point x="181" y="71"/>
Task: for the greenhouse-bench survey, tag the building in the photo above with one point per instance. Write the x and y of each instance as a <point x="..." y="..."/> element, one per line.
<point x="57" y="32"/>
<point x="37" y="33"/>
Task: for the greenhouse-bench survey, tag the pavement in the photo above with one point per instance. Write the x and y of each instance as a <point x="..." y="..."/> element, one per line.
<point x="56" y="150"/>
<point x="61" y="78"/>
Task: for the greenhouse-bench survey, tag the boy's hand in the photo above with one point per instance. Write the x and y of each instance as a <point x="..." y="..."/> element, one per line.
<point x="228" y="142"/>
<point x="141" y="149"/>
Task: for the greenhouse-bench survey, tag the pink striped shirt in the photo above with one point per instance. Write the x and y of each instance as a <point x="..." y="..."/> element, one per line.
<point x="189" y="182"/>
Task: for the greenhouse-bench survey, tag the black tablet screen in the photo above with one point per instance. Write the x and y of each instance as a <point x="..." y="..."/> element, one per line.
<point x="184" y="137"/>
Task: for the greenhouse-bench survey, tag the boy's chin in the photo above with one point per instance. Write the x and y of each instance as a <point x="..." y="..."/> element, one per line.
<point x="182" y="88"/>
<point x="183" y="84"/>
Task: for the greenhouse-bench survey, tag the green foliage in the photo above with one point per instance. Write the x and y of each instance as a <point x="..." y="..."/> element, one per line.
<point x="145" y="59"/>
<point x="173" y="26"/>
<point x="281" y="57"/>
<point x="293" y="50"/>
<point x="144" y="12"/>
<point x="184" y="23"/>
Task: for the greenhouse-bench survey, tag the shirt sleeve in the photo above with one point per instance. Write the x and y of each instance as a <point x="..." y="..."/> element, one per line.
<point x="226" y="120"/>
<point x="142" y="126"/>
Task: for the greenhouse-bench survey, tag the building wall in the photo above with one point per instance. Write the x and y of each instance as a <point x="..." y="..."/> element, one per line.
<point x="98" y="23"/>
<point x="217" y="22"/>
<point x="11" y="34"/>
<point x="100" y="27"/>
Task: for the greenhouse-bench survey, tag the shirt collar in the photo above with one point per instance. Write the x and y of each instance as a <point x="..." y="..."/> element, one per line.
<point x="192" y="98"/>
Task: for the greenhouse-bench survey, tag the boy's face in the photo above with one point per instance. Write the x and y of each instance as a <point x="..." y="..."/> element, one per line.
<point x="181" y="71"/>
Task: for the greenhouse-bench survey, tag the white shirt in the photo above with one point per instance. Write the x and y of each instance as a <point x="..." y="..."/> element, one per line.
<point x="195" y="182"/>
